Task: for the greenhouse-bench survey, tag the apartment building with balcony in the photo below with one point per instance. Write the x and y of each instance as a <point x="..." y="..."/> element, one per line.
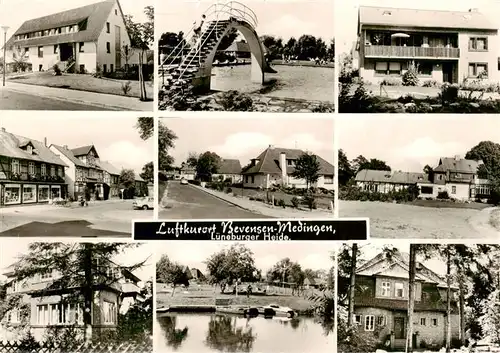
<point x="44" y="304"/>
<point x="81" y="38"/>
<point x="444" y="46"/>
<point x="30" y="172"/>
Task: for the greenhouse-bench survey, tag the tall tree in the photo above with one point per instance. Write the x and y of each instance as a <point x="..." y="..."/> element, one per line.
<point x="345" y="169"/>
<point x="148" y="172"/>
<point x="358" y="162"/>
<point x="307" y="167"/>
<point x="352" y="284"/>
<point x="411" y="297"/>
<point x="141" y="37"/>
<point x="286" y="270"/>
<point x="82" y="268"/>
<point x="208" y="163"/>
<point x="231" y="265"/>
<point x="171" y="273"/>
<point x="166" y="139"/>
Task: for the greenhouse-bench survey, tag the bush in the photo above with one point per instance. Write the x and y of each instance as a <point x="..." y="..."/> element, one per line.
<point x="449" y="93"/>
<point x="126" y="87"/>
<point x="281" y="203"/>
<point x="443" y="195"/>
<point x="310" y="201"/>
<point x="391" y="81"/>
<point x="235" y="101"/>
<point x="430" y="83"/>
<point x="98" y="71"/>
<point x="410" y="77"/>
<point x="57" y="70"/>
<point x="295" y="202"/>
<point x="229" y="190"/>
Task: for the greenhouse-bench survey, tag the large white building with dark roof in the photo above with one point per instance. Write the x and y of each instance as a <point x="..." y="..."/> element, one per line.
<point x="80" y="38"/>
<point x="445" y="46"/>
<point x="275" y="165"/>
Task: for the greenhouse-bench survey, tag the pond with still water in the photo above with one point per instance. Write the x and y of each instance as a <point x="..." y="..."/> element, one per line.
<point x="208" y="333"/>
<point x="296" y="82"/>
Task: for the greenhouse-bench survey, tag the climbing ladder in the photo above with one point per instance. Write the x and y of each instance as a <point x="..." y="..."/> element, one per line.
<point x="220" y="18"/>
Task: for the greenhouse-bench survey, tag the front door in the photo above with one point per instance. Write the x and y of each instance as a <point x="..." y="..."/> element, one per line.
<point x="399" y="328"/>
<point x="448" y="72"/>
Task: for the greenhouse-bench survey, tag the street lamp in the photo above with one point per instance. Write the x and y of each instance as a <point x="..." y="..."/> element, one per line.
<point x="5" y="29"/>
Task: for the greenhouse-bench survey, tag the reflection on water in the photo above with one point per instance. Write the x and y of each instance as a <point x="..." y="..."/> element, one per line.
<point x="204" y="333"/>
<point x="300" y="82"/>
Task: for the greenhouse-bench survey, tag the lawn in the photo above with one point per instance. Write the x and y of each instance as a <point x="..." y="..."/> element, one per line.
<point x="495" y="219"/>
<point x="447" y="204"/>
<point x="322" y="200"/>
<point x="390" y="220"/>
<point x="82" y="83"/>
<point x="204" y="295"/>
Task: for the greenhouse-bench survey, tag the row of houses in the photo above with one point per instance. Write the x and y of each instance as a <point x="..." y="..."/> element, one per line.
<point x="444" y="46"/>
<point x="34" y="172"/>
<point x="273" y="167"/>
<point x="49" y="306"/>
<point x="455" y="176"/>
<point x="84" y="38"/>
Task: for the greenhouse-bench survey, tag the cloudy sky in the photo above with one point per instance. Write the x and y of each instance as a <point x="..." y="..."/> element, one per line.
<point x="11" y="249"/>
<point x="38" y="8"/>
<point x="282" y="18"/>
<point x="313" y="255"/>
<point x="247" y="138"/>
<point x="410" y="142"/>
<point x="115" y="138"/>
<point x="346" y="14"/>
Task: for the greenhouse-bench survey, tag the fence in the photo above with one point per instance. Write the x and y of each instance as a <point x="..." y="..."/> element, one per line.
<point x="17" y="347"/>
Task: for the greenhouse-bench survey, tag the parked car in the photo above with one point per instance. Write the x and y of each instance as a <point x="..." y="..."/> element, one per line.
<point x="145" y="203"/>
<point x="184" y="181"/>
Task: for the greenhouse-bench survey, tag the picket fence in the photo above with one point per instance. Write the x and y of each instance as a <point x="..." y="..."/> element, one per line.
<point x="126" y="347"/>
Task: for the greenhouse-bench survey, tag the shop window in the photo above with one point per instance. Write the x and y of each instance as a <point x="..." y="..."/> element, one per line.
<point x="12" y="194"/>
<point x="29" y="193"/>
<point x="43" y="193"/>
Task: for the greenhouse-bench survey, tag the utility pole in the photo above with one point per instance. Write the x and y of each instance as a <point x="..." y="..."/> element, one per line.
<point x="5" y="29"/>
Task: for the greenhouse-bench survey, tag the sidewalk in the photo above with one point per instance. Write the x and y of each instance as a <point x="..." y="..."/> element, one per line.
<point x="108" y="101"/>
<point x="46" y="207"/>
<point x="265" y="209"/>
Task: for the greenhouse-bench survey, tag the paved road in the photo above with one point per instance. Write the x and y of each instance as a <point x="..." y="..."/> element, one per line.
<point x="110" y="219"/>
<point x="188" y="202"/>
<point x="10" y="100"/>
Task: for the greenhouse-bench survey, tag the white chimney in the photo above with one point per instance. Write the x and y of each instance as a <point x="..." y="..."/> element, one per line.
<point x="3" y="129"/>
<point x="283" y="168"/>
<point x="457" y="157"/>
<point x="45" y="141"/>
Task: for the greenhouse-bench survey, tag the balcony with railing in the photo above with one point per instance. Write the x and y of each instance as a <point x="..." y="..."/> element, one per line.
<point x="394" y="51"/>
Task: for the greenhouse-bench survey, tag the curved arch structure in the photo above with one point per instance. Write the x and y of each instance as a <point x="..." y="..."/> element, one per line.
<point x="196" y="67"/>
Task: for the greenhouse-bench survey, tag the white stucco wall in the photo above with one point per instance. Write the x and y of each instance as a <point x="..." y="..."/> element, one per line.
<point x="115" y="18"/>
<point x="490" y="56"/>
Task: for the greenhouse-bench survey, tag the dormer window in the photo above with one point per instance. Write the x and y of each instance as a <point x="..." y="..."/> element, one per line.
<point x="387" y="13"/>
<point x="29" y="149"/>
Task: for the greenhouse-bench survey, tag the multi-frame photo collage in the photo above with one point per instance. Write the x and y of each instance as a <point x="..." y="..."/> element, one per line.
<point x="253" y="176"/>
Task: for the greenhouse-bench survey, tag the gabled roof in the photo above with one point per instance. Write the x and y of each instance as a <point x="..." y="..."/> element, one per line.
<point x="108" y="167"/>
<point x="94" y="14"/>
<point x="83" y="150"/>
<point x="380" y="263"/>
<point x="138" y="178"/>
<point x="69" y="154"/>
<point x="10" y="146"/>
<point x="268" y="162"/>
<point x="382" y="176"/>
<point x="456" y="165"/>
<point x="401" y="17"/>
<point x="229" y="166"/>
